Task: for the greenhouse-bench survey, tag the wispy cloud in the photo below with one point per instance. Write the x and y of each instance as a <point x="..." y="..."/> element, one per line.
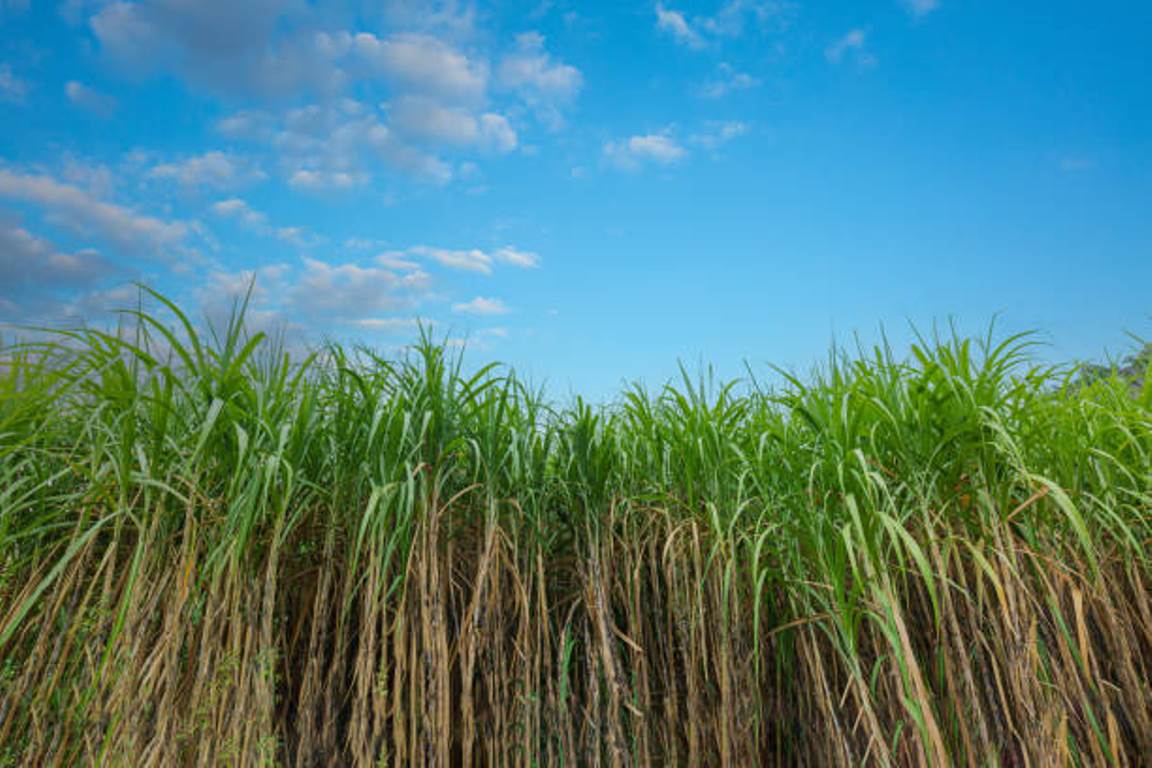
<point x="544" y="84"/>
<point x="469" y="259"/>
<point x="1076" y="163"/>
<point x="728" y="80"/>
<point x="731" y="20"/>
<point x="481" y="306"/>
<point x="257" y="221"/>
<point x="12" y="88"/>
<point x="391" y="324"/>
<point x="87" y="98"/>
<point x="919" y="8"/>
<point x="853" y="43"/>
<point x="531" y="68"/>
<point x="676" y="24"/>
<point x="717" y="133"/>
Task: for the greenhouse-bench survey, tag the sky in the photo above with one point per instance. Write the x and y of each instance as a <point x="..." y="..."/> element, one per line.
<point x="591" y="192"/>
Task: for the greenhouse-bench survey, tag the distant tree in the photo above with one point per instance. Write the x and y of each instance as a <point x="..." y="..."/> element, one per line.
<point x="1135" y="368"/>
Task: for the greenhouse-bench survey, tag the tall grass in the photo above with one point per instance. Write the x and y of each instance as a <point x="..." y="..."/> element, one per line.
<point x="215" y="553"/>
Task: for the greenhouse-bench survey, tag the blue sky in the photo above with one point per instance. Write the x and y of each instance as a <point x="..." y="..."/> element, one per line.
<point x="590" y="191"/>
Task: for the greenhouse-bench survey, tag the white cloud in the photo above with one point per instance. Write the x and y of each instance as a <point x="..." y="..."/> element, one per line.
<point x="423" y="64"/>
<point x="853" y="42"/>
<point x="516" y="257"/>
<point x="919" y="8"/>
<point x="337" y="146"/>
<point x="396" y="260"/>
<point x="297" y="236"/>
<point x="531" y="68"/>
<point x="676" y="24"/>
<point x="456" y="18"/>
<point x="257" y="221"/>
<point x="728" y="80"/>
<point x="251" y="125"/>
<point x="224" y="287"/>
<point x="12" y="88"/>
<point x="496" y="133"/>
<point x="717" y="133"/>
<point x="481" y="306"/>
<point x="466" y="259"/>
<point x="238" y="209"/>
<point x="263" y="287"/>
<point x="246" y="47"/>
<point x="80" y="212"/>
<point x="30" y="262"/>
<point x="631" y="153"/>
<point x="97" y="178"/>
<point x="546" y="86"/>
<point x="322" y="180"/>
<point x="390" y="324"/>
<point x="731" y="20"/>
<point x="351" y="292"/>
<point x="219" y="170"/>
<point x="90" y="99"/>
<point x="469" y="260"/>
<point x="424" y="119"/>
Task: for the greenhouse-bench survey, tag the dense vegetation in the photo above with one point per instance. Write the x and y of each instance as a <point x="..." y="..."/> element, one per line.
<point x="214" y="554"/>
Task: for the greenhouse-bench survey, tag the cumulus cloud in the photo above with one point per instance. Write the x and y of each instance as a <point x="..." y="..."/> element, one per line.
<point x="530" y="68"/>
<point x="227" y="286"/>
<point x="324" y="179"/>
<point x="437" y="83"/>
<point x="336" y="147"/>
<point x="652" y="148"/>
<point x="13" y="89"/>
<point x="235" y="208"/>
<point x="853" y="43"/>
<point x="545" y="85"/>
<point x="219" y="170"/>
<point x="426" y="120"/>
<point x="28" y="261"/>
<point x="456" y="18"/>
<point x="41" y="283"/>
<point x="223" y="45"/>
<point x="481" y="306"/>
<point x="80" y="212"/>
<point x="420" y="63"/>
<point x="262" y="287"/>
<point x="249" y="125"/>
<point x="352" y="292"/>
<point x="89" y="99"/>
